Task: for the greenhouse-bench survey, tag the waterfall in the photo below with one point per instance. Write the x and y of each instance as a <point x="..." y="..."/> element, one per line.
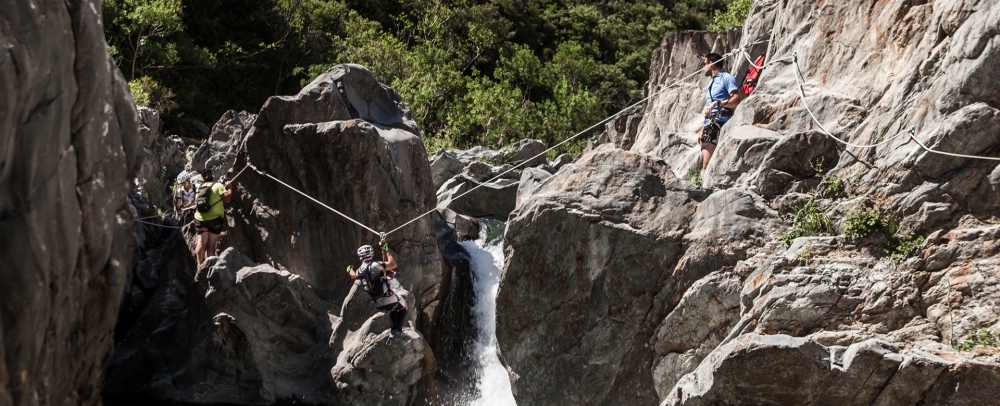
<point x="486" y="261"/>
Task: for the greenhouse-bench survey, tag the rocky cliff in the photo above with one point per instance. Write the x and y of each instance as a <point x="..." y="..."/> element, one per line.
<point x="69" y="146"/>
<point x="274" y="317"/>
<point x="662" y="291"/>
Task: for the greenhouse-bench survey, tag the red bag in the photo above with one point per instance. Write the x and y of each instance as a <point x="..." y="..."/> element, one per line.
<point x="750" y="81"/>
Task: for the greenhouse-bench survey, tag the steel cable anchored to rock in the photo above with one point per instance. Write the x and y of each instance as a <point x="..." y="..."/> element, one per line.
<point x="742" y="51"/>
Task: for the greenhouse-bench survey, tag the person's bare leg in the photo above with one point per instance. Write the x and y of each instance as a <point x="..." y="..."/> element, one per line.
<point x="199" y="251"/>
<point x="706" y="154"/>
<point x="213" y="239"/>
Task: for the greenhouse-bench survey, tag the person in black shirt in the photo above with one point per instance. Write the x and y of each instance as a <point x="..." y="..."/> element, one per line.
<point x="375" y="277"/>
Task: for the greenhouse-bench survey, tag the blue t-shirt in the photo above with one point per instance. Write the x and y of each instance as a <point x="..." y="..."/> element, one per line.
<point x="721" y="87"/>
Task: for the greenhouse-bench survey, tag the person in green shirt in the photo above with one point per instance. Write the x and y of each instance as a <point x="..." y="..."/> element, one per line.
<point x="211" y="222"/>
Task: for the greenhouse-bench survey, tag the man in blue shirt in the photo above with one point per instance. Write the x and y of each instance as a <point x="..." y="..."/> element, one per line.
<point x="723" y="96"/>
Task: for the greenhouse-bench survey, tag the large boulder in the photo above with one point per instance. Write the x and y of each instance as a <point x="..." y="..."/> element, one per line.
<point x="571" y="312"/>
<point x="283" y="312"/>
<point x="69" y="146"/>
<point x="788" y="370"/>
<point x="468" y="196"/>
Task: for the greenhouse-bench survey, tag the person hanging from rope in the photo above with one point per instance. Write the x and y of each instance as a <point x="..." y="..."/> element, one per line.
<point x="374" y="277"/>
<point x="183" y="194"/>
<point x="723" y="96"/>
<point x="210" y="213"/>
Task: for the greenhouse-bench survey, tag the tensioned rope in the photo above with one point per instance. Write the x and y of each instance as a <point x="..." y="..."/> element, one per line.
<point x="609" y="118"/>
<point x="498" y="176"/>
<point x="911" y="132"/>
<point x="798" y="79"/>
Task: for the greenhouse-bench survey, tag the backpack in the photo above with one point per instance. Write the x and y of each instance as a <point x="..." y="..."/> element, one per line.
<point x="750" y="80"/>
<point x="202" y="198"/>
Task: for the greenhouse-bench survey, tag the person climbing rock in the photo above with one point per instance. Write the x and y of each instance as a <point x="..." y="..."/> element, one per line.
<point x="723" y="96"/>
<point x="375" y="277"/>
<point x="210" y="214"/>
<point x="183" y="194"/>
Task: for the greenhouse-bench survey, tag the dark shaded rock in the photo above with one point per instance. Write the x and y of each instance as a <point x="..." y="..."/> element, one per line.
<point x="523" y="151"/>
<point x="69" y="146"/>
<point x="561" y="161"/>
<point x="219" y="151"/>
<point x="456" y="331"/>
<point x="465" y="228"/>
<point x="791" y="159"/>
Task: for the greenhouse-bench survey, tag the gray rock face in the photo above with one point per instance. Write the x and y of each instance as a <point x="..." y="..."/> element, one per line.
<point x="444" y="166"/>
<point x="553" y="324"/>
<point x="69" y="145"/>
<point x="789" y="370"/>
<point x="671" y="120"/>
<point x="219" y="151"/>
<point x="493" y="200"/>
<point x="285" y="316"/>
<point x="736" y="318"/>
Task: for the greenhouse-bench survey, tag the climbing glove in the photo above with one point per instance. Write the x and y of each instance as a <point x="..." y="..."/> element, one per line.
<point x="384" y="246"/>
<point x="350" y="268"/>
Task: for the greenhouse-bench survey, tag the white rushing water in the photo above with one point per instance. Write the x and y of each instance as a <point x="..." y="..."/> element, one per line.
<point x="486" y="261"/>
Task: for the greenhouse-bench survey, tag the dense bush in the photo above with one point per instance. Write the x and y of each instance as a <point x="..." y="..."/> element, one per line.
<point x="474" y="71"/>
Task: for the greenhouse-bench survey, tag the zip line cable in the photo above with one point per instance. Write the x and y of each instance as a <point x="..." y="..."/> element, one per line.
<point x="249" y="165"/>
<point x="800" y="85"/>
<point x="612" y="117"/>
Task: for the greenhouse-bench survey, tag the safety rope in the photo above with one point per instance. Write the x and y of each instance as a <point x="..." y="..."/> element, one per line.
<point x="911" y="132"/>
<point x="793" y="58"/>
<point x="158" y="225"/>
<point x="951" y="153"/>
<point x="612" y="117"/>
<point x="802" y="95"/>
<point x="250" y="165"/>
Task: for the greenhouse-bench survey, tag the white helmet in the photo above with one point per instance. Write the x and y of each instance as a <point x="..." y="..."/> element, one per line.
<point x="183" y="176"/>
<point x="366" y="252"/>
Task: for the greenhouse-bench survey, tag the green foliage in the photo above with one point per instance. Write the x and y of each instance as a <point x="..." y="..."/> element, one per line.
<point x="900" y="247"/>
<point x="868" y="221"/>
<point x="979" y="337"/>
<point x="147" y="92"/>
<point x="874" y="220"/>
<point x="473" y="71"/>
<point x="694" y="176"/>
<point x="808" y="220"/>
<point x="735" y="15"/>
<point x="804" y="256"/>
<point x="831" y="185"/>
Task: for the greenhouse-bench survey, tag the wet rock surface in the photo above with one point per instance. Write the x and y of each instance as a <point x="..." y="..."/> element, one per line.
<point x="69" y="146"/>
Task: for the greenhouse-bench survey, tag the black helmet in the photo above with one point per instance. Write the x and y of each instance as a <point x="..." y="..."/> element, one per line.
<point x="208" y="174"/>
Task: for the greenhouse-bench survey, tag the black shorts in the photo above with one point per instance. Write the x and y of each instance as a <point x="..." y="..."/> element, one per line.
<point x="214" y="226"/>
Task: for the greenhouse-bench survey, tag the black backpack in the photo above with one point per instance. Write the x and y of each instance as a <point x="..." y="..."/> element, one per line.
<point x="202" y="198"/>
